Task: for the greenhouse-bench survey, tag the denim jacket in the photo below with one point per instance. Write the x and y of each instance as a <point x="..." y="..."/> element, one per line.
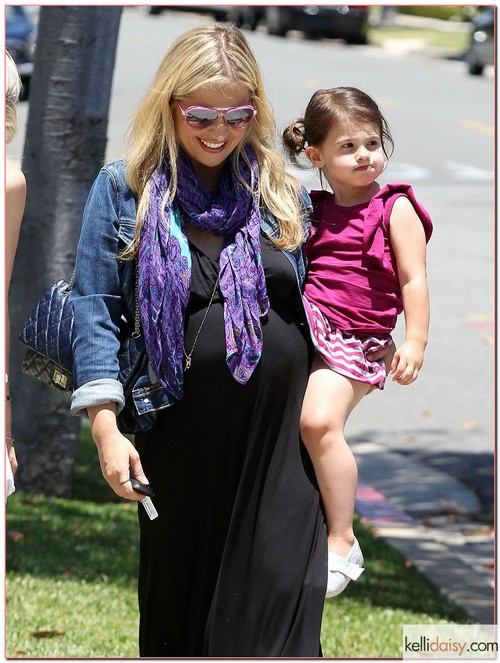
<point x="103" y="294"/>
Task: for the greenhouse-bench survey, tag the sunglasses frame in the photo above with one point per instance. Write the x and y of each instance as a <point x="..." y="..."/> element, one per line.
<point x="220" y="111"/>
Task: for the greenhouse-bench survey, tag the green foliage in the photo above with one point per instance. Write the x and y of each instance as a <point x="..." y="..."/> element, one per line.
<point x="443" y="12"/>
<point x="72" y="569"/>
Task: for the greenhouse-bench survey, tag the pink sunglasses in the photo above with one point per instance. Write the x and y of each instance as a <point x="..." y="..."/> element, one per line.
<point x="200" y="117"/>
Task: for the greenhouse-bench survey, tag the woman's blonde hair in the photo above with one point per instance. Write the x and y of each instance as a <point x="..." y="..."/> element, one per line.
<point x="12" y="91"/>
<point x="203" y="57"/>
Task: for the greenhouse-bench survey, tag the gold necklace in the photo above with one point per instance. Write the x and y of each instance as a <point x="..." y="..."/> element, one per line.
<point x="187" y="365"/>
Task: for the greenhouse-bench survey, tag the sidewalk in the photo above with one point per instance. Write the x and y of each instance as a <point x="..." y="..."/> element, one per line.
<point x="431" y="519"/>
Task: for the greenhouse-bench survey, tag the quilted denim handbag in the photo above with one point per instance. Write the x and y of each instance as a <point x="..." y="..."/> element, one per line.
<point x="48" y="333"/>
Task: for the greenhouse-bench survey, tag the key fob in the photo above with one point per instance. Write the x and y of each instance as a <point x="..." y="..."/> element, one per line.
<point x="141" y="488"/>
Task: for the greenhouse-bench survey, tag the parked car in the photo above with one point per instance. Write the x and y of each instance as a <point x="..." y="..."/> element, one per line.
<point x="219" y="12"/>
<point x="247" y="17"/>
<point x="20" y="38"/>
<point x="482" y="44"/>
<point x="346" y="22"/>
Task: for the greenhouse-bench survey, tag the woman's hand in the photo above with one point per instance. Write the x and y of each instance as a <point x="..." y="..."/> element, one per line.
<point x="11" y="452"/>
<point x="118" y="457"/>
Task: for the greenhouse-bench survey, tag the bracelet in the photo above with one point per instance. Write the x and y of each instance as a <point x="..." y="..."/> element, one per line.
<point x="7" y="437"/>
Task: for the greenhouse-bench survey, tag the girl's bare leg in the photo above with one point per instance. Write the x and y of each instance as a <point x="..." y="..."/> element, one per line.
<point x="329" y="400"/>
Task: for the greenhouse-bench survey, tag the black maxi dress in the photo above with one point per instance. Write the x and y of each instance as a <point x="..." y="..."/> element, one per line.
<point x="235" y="563"/>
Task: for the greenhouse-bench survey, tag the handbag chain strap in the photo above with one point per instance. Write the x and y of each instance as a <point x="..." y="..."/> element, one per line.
<point x="137" y="312"/>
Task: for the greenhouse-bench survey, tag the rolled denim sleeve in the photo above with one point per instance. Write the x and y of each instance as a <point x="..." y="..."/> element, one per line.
<point x="97" y="392"/>
<point x="97" y="300"/>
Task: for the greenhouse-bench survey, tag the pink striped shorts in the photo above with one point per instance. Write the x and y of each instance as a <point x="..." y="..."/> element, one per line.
<point x="344" y="352"/>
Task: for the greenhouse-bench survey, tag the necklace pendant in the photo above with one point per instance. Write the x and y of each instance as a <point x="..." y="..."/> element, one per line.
<point x="187" y="366"/>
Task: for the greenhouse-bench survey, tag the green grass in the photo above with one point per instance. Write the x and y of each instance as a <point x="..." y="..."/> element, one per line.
<point x="71" y="581"/>
<point x="71" y="570"/>
<point x="443" y="12"/>
<point x="450" y="44"/>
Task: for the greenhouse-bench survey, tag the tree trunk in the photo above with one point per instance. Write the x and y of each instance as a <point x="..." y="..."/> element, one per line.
<point x="64" y="149"/>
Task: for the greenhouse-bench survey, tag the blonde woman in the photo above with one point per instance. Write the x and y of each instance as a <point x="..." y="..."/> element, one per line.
<point x="15" y="197"/>
<point x="235" y="563"/>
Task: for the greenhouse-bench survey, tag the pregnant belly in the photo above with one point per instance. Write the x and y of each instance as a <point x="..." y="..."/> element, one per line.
<point x="284" y="354"/>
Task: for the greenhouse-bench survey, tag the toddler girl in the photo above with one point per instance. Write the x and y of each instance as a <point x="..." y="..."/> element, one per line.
<point x="367" y="257"/>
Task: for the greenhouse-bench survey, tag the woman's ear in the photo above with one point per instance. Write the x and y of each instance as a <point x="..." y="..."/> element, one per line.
<point x="314" y="156"/>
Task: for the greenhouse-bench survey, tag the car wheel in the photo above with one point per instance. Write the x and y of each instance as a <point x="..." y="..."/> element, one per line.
<point x="253" y="21"/>
<point x="476" y="69"/>
<point x="359" y="39"/>
<point x="221" y="16"/>
<point x="25" y="89"/>
<point x="274" y="21"/>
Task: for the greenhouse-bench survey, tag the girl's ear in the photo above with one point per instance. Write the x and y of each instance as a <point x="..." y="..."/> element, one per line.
<point x="314" y="156"/>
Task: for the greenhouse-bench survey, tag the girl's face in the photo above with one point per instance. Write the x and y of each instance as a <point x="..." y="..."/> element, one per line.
<point x="209" y="147"/>
<point x="351" y="155"/>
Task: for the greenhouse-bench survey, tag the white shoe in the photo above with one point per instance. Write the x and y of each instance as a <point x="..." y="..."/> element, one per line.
<point x="341" y="570"/>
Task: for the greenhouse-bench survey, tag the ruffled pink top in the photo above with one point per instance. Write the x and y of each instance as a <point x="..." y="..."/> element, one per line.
<point x="352" y="275"/>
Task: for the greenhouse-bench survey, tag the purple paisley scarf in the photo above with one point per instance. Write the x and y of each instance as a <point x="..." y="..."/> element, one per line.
<point x="165" y="273"/>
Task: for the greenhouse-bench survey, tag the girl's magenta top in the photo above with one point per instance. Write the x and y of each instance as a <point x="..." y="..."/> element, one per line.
<point x="352" y="276"/>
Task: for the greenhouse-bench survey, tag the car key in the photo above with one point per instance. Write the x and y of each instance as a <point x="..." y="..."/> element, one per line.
<point x="142" y="488"/>
<point x="146" y="502"/>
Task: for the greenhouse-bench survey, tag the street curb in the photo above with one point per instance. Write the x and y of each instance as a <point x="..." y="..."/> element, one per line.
<point x="453" y="577"/>
<point x="456" y="577"/>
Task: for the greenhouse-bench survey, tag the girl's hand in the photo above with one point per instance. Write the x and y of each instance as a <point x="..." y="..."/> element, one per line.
<point x="407" y="362"/>
<point x="118" y="457"/>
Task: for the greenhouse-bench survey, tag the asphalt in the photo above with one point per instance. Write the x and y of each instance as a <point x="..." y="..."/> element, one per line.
<point x="434" y="520"/>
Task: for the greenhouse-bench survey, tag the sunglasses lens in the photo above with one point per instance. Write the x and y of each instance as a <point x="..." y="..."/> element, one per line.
<point x="201" y="117"/>
<point x="239" y="117"/>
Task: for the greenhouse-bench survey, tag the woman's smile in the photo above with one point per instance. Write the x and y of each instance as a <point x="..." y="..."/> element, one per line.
<point x="211" y="146"/>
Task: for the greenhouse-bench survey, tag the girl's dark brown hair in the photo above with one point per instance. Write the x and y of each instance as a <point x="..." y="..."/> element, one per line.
<point x="325" y="109"/>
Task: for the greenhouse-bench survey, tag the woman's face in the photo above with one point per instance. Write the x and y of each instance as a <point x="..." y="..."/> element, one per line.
<point x="208" y="148"/>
